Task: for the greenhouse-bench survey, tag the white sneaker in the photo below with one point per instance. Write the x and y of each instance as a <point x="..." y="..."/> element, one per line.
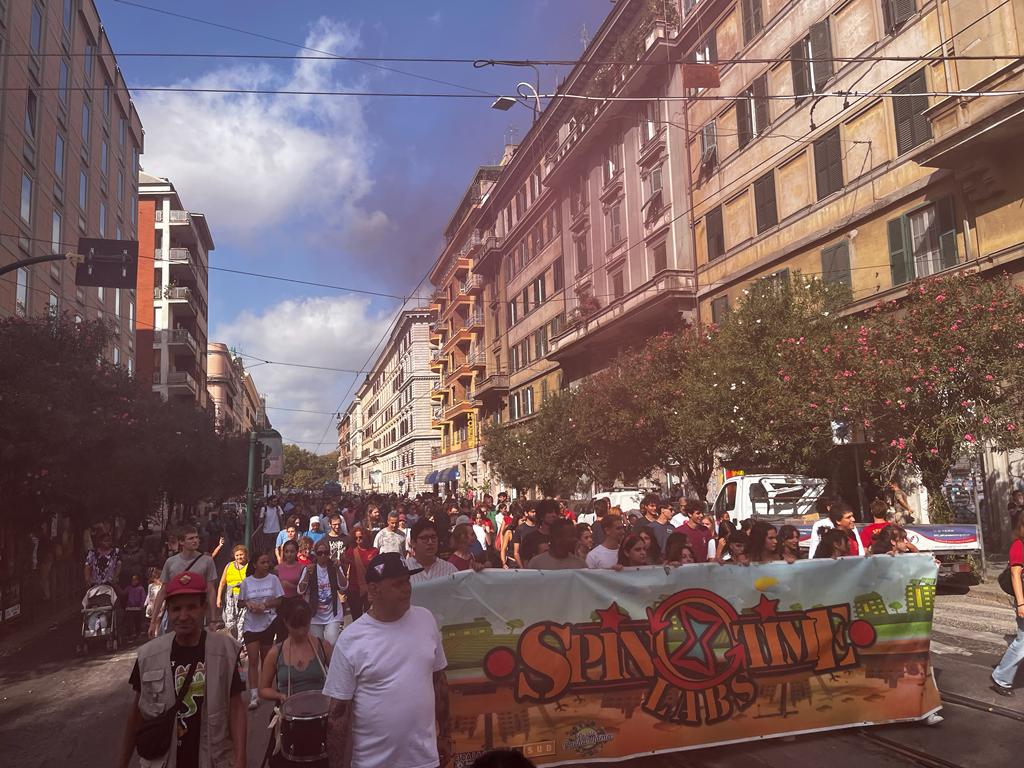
<point x="254" y="702"/>
<point x="933" y="719"/>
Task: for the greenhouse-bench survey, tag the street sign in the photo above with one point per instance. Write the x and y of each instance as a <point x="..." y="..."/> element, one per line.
<point x="273" y="453"/>
<point x="107" y="263"/>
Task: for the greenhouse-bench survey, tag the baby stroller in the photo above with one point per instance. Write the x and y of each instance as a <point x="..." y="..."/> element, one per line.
<point x="100" y="617"/>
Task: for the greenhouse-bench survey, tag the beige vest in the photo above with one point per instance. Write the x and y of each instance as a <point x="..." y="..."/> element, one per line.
<point x="157" y="695"/>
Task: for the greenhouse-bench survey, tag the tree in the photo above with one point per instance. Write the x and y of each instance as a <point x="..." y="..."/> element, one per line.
<point x="307" y="470"/>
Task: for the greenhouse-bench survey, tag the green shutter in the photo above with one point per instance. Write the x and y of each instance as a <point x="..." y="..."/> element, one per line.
<point x="835" y="264"/>
<point x="801" y="70"/>
<point x="945" y="216"/>
<point x="821" y="52"/>
<point x="899" y="255"/>
<point x="745" y="131"/>
<point x="762" y="114"/>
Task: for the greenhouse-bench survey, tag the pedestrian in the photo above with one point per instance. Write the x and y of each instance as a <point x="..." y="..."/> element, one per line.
<point x="736" y="549"/>
<point x="661" y="527"/>
<point x="135" y="605"/>
<point x="290" y="533"/>
<point x="879" y="520"/>
<point x="601" y="508"/>
<point x="606" y="554"/>
<point x="424" y="561"/>
<point x="789" y="541"/>
<point x="324" y="585"/>
<point x="632" y="553"/>
<point x="232" y="613"/>
<point x="289" y="571"/>
<point x="653" y="550"/>
<point x="103" y="562"/>
<point x="697" y="535"/>
<point x="482" y="528"/>
<point x="389" y="538"/>
<point x="527" y="526"/>
<point x="315" y="532"/>
<point x="892" y="540"/>
<point x="152" y="590"/>
<point x="295" y="665"/>
<point x="133" y="560"/>
<point x="584" y="540"/>
<point x="260" y="595"/>
<point x="359" y="556"/>
<point x="190" y="559"/>
<point x="546" y="513"/>
<point x="832" y="543"/>
<point x="561" y="555"/>
<point x="408" y="682"/>
<point x="902" y="511"/>
<point x="506" y="537"/>
<point x="1006" y="670"/>
<point x="337" y="537"/>
<point x="677" y="551"/>
<point x="1015" y="507"/>
<point x="764" y="543"/>
<point x="193" y="673"/>
<point x="462" y="537"/>
<point x="270" y="520"/>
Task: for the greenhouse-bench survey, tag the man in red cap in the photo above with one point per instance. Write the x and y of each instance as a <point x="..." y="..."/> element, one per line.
<point x="209" y="729"/>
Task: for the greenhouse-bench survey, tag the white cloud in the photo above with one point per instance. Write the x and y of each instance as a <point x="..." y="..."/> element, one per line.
<point x="335" y="332"/>
<point x="252" y="162"/>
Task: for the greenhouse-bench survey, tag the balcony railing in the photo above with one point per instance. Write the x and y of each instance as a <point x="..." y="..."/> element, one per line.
<point x="477" y="358"/>
<point x="175" y="217"/>
<point x="435" y="451"/>
<point x="176" y="336"/>
<point x="472" y="284"/>
<point x="181" y="378"/>
<point x="475" y="320"/>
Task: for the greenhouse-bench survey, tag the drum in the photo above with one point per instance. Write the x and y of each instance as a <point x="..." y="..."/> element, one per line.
<point x="304" y="727"/>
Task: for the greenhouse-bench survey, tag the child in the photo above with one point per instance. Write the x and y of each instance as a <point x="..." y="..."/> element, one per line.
<point x="153" y="591"/>
<point x="135" y="604"/>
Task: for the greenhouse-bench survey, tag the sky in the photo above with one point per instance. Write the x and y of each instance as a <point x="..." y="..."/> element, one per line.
<point x="350" y="192"/>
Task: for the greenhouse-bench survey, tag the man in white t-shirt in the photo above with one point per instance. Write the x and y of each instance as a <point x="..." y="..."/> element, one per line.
<point x="606" y="554"/>
<point x="270" y="519"/>
<point x="192" y="560"/>
<point x="390" y="539"/>
<point x="423" y="538"/>
<point x="372" y="695"/>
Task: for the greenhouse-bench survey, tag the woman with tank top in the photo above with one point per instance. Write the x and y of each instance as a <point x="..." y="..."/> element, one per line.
<point x="289" y="571"/>
<point x="227" y="593"/>
<point x="297" y="664"/>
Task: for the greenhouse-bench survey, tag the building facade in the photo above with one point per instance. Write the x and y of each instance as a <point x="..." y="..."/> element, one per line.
<point x="68" y="163"/>
<point x="174" y="247"/>
<point x="457" y="329"/>
<point x="345" y="451"/>
<point x="394" y="454"/>
<point x="238" y="406"/>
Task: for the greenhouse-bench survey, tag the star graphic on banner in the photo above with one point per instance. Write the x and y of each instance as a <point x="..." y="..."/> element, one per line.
<point x="767" y="608"/>
<point x="695" y="654"/>
<point x="611" y="617"/>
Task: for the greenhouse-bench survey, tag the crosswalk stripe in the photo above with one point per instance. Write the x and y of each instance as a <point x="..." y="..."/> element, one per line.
<point x="942" y="648"/>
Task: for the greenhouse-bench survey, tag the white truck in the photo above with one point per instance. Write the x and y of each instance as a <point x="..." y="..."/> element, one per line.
<point x="783" y="499"/>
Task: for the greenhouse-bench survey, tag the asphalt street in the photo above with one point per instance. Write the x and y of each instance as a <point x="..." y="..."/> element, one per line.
<point x="57" y="709"/>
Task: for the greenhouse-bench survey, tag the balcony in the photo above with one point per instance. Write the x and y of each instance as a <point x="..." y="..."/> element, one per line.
<point x="175" y="217"/>
<point x="176" y="337"/>
<point x="438" y="392"/>
<point x="437" y="416"/>
<point x="436" y="358"/>
<point x="459" y="367"/>
<point x="472" y="285"/>
<point x="177" y="380"/>
<point x="474" y="322"/>
<point x="184" y="296"/>
<point x="494" y="385"/>
<point x="490" y="256"/>
<point x="477" y="358"/>
<point x="458" y="408"/>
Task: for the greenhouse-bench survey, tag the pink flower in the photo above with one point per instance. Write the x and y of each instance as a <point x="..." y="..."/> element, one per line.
<point x="969" y="437"/>
<point x="989" y="377"/>
<point x="1010" y="427"/>
<point x="934" y="451"/>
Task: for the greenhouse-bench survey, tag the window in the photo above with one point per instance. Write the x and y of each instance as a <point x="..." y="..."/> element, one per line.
<point x="752" y="113"/>
<point x="912" y="127"/>
<point x="765" y="208"/>
<point x="540" y="293"/>
<point x="35" y="40"/>
<point x="117" y="356"/>
<point x="513" y="406"/>
<point x="558" y="275"/>
<point x="618" y="282"/>
<point x="708" y="147"/>
<point x="58" y="156"/>
<point x="649" y="122"/>
<point x="659" y="257"/>
<point x="896" y="13"/>
<point x="117" y="302"/>
<point x="611" y="162"/>
<point x="64" y="82"/>
<point x="654" y="182"/>
<point x="31" y="114"/>
<point x="90" y="60"/>
<point x="526" y="300"/>
<point x="715" y="233"/>
<point x="21" y="293"/>
<point x="706" y="51"/>
<point x="122" y="130"/>
<point x="582" y="259"/>
<point x="556" y="325"/>
<point x="83" y="191"/>
<point x="521" y="201"/>
<point x="811" y="61"/>
<point x="752" y="19"/>
<point x="56" y="244"/>
<point x="120" y="186"/>
<point x="26" y="198"/>
<point x="526" y="400"/>
<point x="578" y="194"/>
<point x="86" y="117"/>
<point x="835" y="264"/>
<point x="614" y="215"/>
<point x="54" y="305"/>
<point x="719" y="309"/>
<point x="923" y="242"/>
<point x="512" y="313"/>
<point x="131" y="366"/>
<point x="540" y="343"/>
<point x="103" y="157"/>
<point x="828" y="164"/>
<point x="131" y="312"/>
<point x="106" y="96"/>
<point x="103" y="219"/>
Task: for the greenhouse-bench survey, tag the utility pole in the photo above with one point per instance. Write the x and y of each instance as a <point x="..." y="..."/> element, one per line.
<point x="248" y="492"/>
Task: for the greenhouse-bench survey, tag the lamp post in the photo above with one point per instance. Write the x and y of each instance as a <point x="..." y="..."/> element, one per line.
<point x="505" y="103"/>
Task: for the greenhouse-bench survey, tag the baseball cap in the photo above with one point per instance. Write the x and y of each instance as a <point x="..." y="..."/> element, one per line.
<point x="187" y="583"/>
<point x="462" y="519"/>
<point x="387" y="566"/>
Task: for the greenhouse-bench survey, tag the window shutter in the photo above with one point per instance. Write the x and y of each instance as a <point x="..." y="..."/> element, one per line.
<point x="715" y="236"/>
<point x="945" y="218"/>
<point x="899" y="256"/>
<point x="835" y="264"/>
<point x="801" y="70"/>
<point x="762" y="116"/>
<point x="748" y="20"/>
<point x="828" y="164"/>
<point x="901" y="11"/>
<point x="764" y="202"/>
<point x="744" y="129"/>
<point x="912" y="127"/>
<point x="821" y="53"/>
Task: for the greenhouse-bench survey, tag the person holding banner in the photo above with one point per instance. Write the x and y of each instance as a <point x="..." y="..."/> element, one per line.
<point x="606" y="554"/>
<point x="560" y="555"/>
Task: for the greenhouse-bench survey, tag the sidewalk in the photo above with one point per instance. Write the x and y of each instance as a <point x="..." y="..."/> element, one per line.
<point x="27" y="629"/>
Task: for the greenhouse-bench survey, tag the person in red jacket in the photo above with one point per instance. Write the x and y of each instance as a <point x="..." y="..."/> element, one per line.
<point x="879" y="520"/>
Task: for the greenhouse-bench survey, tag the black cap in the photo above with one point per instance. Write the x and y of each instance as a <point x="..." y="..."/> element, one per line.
<point x="387" y="566"/>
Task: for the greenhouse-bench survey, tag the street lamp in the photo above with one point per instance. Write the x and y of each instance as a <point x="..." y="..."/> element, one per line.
<point x="504" y="103"/>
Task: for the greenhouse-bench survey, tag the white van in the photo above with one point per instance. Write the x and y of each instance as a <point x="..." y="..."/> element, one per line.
<point x="746" y="496"/>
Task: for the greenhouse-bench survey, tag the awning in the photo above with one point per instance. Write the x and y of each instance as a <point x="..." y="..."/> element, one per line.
<point x="447" y="475"/>
<point x="431" y="478"/>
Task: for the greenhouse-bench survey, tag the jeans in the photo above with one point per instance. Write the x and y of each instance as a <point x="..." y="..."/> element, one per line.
<point x="1004" y="673"/>
<point x="329" y="631"/>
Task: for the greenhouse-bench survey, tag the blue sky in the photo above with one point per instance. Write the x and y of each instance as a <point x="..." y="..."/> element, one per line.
<point x="346" y="191"/>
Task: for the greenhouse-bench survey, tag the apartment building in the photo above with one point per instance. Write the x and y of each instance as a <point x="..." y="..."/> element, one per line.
<point x="71" y="140"/>
<point x="844" y="159"/>
<point x="238" y="406"/>
<point x="458" y="332"/>
<point x="174" y="248"/>
<point x="344" y="428"/>
<point x="395" y="411"/>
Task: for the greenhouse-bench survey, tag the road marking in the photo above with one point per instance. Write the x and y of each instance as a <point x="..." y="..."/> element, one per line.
<point x="942" y="648"/>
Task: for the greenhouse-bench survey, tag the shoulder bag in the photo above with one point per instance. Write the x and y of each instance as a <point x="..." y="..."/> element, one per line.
<point x="153" y="738"/>
<point x="1006" y="582"/>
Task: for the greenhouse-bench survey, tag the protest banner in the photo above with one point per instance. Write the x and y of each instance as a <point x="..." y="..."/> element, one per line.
<point x="589" y="666"/>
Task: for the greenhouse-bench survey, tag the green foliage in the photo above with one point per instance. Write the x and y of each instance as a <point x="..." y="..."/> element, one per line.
<point x="83" y="436"/>
<point x="307" y="470"/>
